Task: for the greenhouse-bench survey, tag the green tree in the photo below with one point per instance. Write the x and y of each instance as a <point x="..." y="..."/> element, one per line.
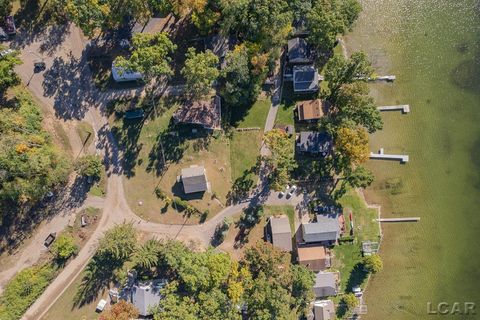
<point x="64" y="247"/>
<point x="5" y="7"/>
<point x="373" y="263"/>
<point x="146" y="256"/>
<point x="340" y="71"/>
<point x="240" y="87"/>
<point x="350" y="301"/>
<point x="151" y="55"/>
<point x="200" y="71"/>
<point x="90" y="166"/>
<point x="119" y="242"/>
<point x="8" y="77"/>
<point x="353" y="104"/>
<point x="352" y="144"/>
<point x="121" y="310"/>
<point x="302" y="287"/>
<point x="281" y="160"/>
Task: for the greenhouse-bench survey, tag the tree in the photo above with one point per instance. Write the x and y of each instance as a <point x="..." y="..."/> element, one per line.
<point x="64" y="247"/>
<point x="122" y="310"/>
<point x="146" y="256"/>
<point x="119" y="242"/>
<point x="328" y="18"/>
<point x="200" y="71"/>
<point x="350" y="301"/>
<point x="373" y="263"/>
<point x="265" y="22"/>
<point x="240" y="87"/>
<point x="8" y="77"/>
<point x="302" y="287"/>
<point x="281" y="161"/>
<point x="352" y="145"/>
<point x="89" y="166"/>
<point x="5" y="7"/>
<point x="339" y="71"/>
<point x="267" y="259"/>
<point x="353" y="104"/>
<point x="359" y="177"/>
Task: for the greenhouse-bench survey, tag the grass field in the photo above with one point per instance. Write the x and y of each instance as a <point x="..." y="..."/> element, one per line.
<point x="256" y="115"/>
<point x="85" y="132"/>
<point x="244" y="151"/>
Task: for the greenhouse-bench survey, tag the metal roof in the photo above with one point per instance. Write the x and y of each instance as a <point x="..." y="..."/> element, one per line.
<point x="194" y="179"/>
<point x="281" y="232"/>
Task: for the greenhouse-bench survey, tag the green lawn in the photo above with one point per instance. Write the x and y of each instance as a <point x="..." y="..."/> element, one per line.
<point x="348" y="256"/>
<point x="256" y="115"/>
<point x="244" y="151"/>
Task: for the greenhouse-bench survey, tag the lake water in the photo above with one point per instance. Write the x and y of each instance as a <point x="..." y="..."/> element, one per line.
<point x="433" y="47"/>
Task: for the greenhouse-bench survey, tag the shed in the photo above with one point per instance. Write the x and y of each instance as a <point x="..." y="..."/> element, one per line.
<point x="206" y="113"/>
<point x="315" y="258"/>
<point x="281" y="233"/>
<point x="314" y="143"/>
<point x="326" y="229"/>
<point x="326" y="284"/>
<point x="324" y="310"/>
<point x="299" y="51"/>
<point x="121" y="75"/>
<point x="310" y="110"/>
<point x="305" y="79"/>
<point x="194" y="179"/>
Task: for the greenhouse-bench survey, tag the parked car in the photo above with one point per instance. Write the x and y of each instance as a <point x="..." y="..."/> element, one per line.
<point x="39" y="66"/>
<point x="292" y="191"/>
<point x="48" y="241"/>
<point x="3" y="35"/>
<point x="357" y="291"/>
<point x="282" y="193"/>
<point x="10" y="25"/>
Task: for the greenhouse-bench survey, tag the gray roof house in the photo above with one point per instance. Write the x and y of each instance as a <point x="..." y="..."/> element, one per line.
<point x="281" y="233"/>
<point x="314" y="142"/>
<point x="324" y="310"/>
<point x="326" y="284"/>
<point x="326" y="229"/>
<point x="305" y="79"/>
<point x="144" y="295"/>
<point x="299" y="51"/>
<point x="194" y="179"/>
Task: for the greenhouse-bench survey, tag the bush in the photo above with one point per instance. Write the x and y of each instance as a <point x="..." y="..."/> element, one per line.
<point x="179" y="204"/>
<point x="350" y="301"/>
<point x="89" y="166"/>
<point x="64" y="247"/>
<point x="24" y="289"/>
<point x="373" y="263"/>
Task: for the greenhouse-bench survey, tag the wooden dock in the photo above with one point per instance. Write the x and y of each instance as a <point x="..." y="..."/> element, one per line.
<point x="407" y="219"/>
<point x="382" y="156"/>
<point x="405" y="108"/>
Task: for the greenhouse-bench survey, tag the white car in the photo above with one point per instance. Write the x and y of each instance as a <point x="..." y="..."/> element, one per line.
<point x="292" y="191"/>
<point x="357" y="291"/>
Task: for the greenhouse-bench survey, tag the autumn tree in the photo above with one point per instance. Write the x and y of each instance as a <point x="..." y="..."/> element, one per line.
<point x="122" y="310"/>
<point x="373" y="263"/>
<point x="281" y="160"/>
<point x="200" y="72"/>
<point x="352" y="144"/>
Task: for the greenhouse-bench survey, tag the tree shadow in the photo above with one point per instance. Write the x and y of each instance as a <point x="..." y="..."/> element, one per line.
<point x="251" y="216"/>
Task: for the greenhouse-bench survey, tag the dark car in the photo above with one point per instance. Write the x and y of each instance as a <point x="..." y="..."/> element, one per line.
<point x="3" y="35"/>
<point x="10" y="25"/>
<point x="39" y="66"/>
<point x="48" y="240"/>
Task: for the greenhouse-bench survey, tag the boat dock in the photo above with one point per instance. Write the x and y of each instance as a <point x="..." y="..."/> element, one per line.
<point x="405" y="108"/>
<point x="407" y="219"/>
<point x="382" y="156"/>
<point x="383" y="78"/>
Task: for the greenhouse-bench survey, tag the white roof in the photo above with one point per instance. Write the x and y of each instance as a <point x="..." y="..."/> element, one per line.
<point x="324" y="310"/>
<point x="120" y="75"/>
<point x="101" y="304"/>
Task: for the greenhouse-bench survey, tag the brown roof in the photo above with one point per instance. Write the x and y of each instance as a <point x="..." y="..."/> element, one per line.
<point x="311" y="253"/>
<point x="310" y="109"/>
<point x="205" y="112"/>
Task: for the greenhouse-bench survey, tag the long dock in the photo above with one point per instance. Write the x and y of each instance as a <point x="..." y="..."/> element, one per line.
<point x="405" y="108"/>
<point x="382" y="156"/>
<point x="407" y="219"/>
